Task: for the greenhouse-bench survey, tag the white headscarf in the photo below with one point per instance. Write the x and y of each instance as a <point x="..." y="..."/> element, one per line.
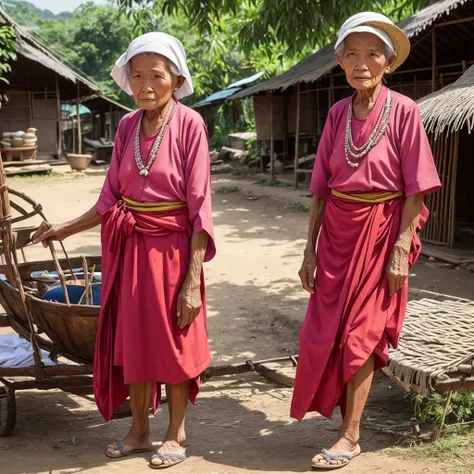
<point x="159" y="43"/>
<point x="355" y="24"/>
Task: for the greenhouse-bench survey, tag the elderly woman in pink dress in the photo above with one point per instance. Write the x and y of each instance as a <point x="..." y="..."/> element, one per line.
<point x="155" y="210"/>
<point x="373" y="167"/>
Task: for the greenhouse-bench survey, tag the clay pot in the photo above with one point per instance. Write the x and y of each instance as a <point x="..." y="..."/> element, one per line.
<point x="17" y="142"/>
<point x="78" y="162"/>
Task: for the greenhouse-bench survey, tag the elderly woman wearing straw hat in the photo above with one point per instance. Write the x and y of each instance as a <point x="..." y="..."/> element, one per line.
<point x="373" y="167"/>
<point x="155" y="210"/>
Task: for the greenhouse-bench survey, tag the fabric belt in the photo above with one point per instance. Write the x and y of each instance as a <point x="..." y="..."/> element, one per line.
<point x="374" y="197"/>
<point x="153" y="206"/>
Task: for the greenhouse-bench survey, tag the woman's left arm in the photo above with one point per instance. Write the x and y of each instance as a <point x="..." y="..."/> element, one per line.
<point x="397" y="269"/>
<point x="190" y="299"/>
<point x="198" y="198"/>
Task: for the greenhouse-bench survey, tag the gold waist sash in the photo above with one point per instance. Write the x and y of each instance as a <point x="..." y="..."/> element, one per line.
<point x="374" y="197"/>
<point x="153" y="206"/>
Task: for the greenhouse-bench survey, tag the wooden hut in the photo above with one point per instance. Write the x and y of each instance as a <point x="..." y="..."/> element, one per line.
<point x="291" y="109"/>
<point x="448" y="115"/>
<point x="38" y="83"/>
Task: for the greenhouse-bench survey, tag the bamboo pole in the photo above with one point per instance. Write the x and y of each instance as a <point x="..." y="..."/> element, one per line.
<point x="297" y="134"/>
<point x="272" y="162"/>
<point x="78" y="122"/>
<point x="58" y="109"/>
<point x="452" y="212"/>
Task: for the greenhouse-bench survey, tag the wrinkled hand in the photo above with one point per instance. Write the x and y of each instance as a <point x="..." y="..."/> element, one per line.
<point x="189" y="303"/>
<point x="308" y="269"/>
<point x="46" y="232"/>
<point x="397" y="269"/>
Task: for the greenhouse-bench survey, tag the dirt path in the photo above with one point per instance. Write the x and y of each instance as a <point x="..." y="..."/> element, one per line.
<point x="240" y="425"/>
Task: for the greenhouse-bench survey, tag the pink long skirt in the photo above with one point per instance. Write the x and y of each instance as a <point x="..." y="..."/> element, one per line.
<point x="145" y="259"/>
<point x="351" y="314"/>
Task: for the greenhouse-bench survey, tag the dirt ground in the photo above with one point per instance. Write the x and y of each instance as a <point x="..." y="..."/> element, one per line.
<point x="240" y="424"/>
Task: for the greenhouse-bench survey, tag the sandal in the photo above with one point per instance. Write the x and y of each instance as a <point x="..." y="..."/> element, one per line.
<point x="328" y="457"/>
<point x="180" y="457"/>
<point x="122" y="453"/>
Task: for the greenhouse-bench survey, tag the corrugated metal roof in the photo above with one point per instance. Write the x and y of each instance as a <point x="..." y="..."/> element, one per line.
<point x="323" y="61"/>
<point x="220" y="95"/>
<point x="244" y="82"/>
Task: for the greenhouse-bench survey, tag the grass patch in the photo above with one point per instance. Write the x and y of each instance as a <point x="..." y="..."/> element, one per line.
<point x="298" y="207"/>
<point x="272" y="182"/>
<point x="228" y="189"/>
<point x="455" y="449"/>
<point x="234" y="170"/>
<point x="34" y="176"/>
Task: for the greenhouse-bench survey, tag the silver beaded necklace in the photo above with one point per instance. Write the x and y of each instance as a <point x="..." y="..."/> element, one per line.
<point x="144" y="170"/>
<point x="353" y="152"/>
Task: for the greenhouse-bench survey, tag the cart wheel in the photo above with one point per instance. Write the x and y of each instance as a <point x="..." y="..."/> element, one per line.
<point x="7" y="411"/>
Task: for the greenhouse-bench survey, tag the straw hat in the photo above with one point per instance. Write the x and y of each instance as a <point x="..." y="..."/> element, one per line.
<point x="399" y="39"/>
<point x="385" y="29"/>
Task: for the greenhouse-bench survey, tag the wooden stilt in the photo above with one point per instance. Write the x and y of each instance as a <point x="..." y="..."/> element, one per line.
<point x="272" y="150"/>
<point x="58" y="120"/>
<point x="297" y="134"/>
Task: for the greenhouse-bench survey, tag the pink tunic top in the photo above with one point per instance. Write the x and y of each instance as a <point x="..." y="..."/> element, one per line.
<point x="180" y="172"/>
<point x="402" y="161"/>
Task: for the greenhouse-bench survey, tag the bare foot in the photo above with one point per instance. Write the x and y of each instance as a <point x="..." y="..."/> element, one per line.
<point x="342" y="446"/>
<point x="131" y="443"/>
<point x="167" y="450"/>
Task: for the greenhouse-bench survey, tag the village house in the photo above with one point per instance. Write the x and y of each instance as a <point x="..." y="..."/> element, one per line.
<point x="39" y="84"/>
<point x="290" y="109"/>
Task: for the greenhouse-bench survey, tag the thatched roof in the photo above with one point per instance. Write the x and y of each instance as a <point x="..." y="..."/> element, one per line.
<point x="30" y="48"/>
<point x="323" y="61"/>
<point x="451" y="108"/>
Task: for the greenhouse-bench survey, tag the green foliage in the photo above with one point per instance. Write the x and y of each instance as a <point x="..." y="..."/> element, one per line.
<point x="430" y="409"/>
<point x="7" y="49"/>
<point x="294" y="24"/>
<point x="228" y="189"/>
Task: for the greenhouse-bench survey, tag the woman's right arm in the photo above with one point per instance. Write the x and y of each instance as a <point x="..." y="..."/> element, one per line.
<point x="61" y="231"/>
<point x="308" y="268"/>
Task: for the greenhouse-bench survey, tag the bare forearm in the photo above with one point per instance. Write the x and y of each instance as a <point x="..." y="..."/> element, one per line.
<point x="199" y="243"/>
<point x="410" y="218"/>
<point x="85" y="222"/>
<point x="315" y="219"/>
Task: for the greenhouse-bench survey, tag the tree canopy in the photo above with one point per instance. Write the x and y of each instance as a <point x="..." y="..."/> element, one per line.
<point x="298" y="24"/>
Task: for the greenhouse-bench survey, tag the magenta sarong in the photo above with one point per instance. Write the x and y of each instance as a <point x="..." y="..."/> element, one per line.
<point x="351" y="315"/>
<point x="178" y="355"/>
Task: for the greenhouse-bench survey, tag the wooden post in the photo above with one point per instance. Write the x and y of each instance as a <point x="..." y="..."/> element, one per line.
<point x="433" y="59"/>
<point x="297" y="135"/>
<point x="58" y="108"/>
<point x="74" y="150"/>
<point x="272" y="161"/>
<point x="78" y="122"/>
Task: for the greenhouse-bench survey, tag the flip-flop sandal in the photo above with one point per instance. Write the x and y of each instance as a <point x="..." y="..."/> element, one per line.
<point x="122" y="453"/>
<point x="164" y="457"/>
<point x="328" y="457"/>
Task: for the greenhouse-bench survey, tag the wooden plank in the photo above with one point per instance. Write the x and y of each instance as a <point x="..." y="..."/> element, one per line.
<point x="278" y="373"/>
